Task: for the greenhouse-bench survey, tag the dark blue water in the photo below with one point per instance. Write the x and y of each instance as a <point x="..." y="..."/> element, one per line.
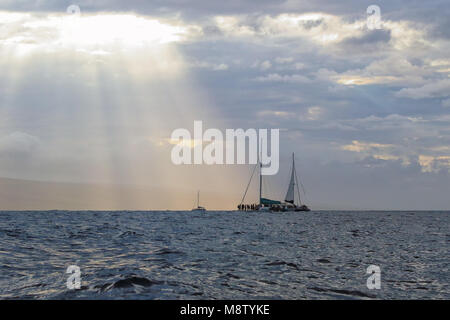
<point x="224" y="255"/>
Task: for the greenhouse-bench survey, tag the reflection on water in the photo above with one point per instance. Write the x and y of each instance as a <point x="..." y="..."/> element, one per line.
<point x="224" y="255"/>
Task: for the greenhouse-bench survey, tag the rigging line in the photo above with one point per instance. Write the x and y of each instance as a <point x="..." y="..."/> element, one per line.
<point x="298" y="190"/>
<point x="303" y="188"/>
<point x="248" y="185"/>
<point x="265" y="189"/>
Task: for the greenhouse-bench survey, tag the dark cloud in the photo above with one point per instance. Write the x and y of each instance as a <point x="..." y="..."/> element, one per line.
<point x="392" y="8"/>
<point x="369" y="37"/>
<point x="441" y="29"/>
<point x="370" y="41"/>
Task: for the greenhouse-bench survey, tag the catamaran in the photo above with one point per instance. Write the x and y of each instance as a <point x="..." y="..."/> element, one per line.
<point x="199" y="208"/>
<point x="266" y="204"/>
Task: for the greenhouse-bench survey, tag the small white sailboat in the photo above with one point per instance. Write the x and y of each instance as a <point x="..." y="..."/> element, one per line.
<point x="199" y="208"/>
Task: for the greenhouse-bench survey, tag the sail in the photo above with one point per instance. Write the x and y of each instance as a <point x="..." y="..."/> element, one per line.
<point x="290" y="193"/>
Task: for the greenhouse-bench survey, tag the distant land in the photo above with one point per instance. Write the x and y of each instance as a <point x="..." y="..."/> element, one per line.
<point x="16" y="194"/>
<point x="37" y="195"/>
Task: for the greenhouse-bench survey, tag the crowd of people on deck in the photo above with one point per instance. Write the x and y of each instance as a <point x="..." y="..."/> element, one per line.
<point x="248" y="207"/>
<point x="256" y="207"/>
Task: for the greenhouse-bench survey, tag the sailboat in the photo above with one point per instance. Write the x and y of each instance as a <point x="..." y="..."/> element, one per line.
<point x="266" y="204"/>
<point x="199" y="208"/>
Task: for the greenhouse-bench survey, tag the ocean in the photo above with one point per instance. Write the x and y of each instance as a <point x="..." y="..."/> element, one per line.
<point x="224" y="255"/>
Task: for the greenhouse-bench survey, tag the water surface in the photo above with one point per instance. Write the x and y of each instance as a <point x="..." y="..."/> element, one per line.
<point x="224" y="255"/>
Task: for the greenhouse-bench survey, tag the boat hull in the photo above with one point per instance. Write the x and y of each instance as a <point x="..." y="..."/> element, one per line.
<point x="297" y="209"/>
<point x="302" y="208"/>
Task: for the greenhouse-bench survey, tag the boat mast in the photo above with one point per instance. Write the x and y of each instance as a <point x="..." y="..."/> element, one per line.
<point x="198" y="198"/>
<point x="260" y="182"/>
<point x="296" y="180"/>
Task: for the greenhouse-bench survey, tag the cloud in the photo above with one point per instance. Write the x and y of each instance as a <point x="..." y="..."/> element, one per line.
<point x="26" y="33"/>
<point x="314" y="113"/>
<point x="436" y="158"/>
<point x="367" y="41"/>
<point x="211" y="66"/>
<point x="358" y="146"/>
<point x="272" y="113"/>
<point x="434" y="164"/>
<point x="435" y="89"/>
<point x="391" y="71"/>
<point x="265" y="65"/>
<point x="281" y="60"/>
<point x="18" y="144"/>
<point x="275" y="77"/>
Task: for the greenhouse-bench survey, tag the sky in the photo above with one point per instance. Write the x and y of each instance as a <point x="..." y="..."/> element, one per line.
<point x="88" y="101"/>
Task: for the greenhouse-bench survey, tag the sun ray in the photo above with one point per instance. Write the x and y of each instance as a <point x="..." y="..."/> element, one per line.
<point x="118" y="88"/>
